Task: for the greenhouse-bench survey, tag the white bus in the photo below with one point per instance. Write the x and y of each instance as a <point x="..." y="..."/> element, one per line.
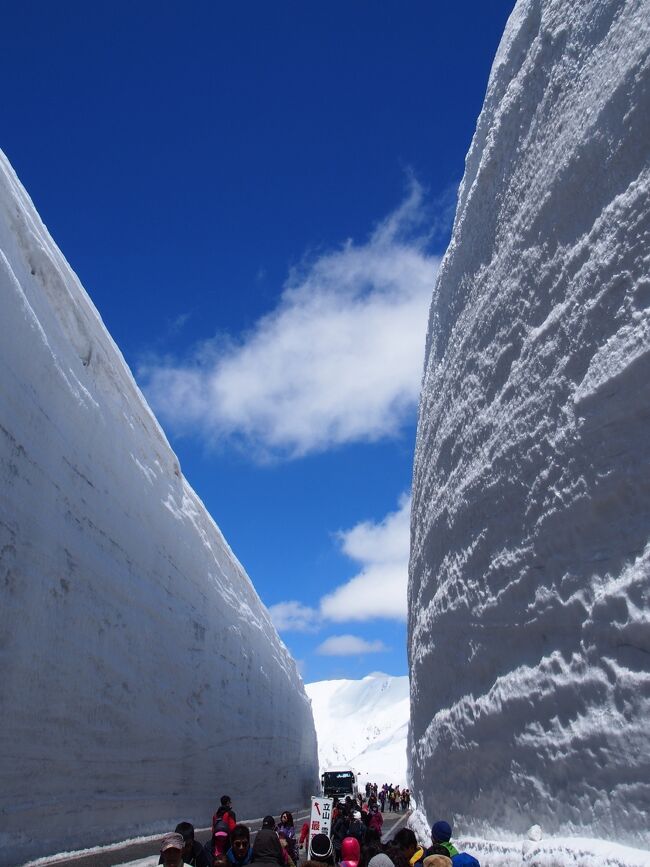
<point x="338" y="783"/>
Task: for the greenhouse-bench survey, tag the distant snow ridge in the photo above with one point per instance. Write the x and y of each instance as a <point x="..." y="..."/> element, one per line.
<point x="141" y="675"/>
<point x="529" y="629"/>
<point x="363" y="724"/>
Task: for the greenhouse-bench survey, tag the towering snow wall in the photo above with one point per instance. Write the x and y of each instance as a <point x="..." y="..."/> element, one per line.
<point x="141" y="675"/>
<point x="529" y="636"/>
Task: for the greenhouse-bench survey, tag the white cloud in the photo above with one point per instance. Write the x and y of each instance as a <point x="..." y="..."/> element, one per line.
<point x="379" y="588"/>
<point x="346" y="645"/>
<point x="293" y="616"/>
<point x="339" y="360"/>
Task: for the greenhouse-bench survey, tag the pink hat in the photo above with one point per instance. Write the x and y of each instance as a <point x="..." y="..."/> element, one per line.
<point x="350" y="850"/>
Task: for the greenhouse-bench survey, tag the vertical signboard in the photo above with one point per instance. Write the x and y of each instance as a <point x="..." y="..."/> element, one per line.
<point x="320" y="820"/>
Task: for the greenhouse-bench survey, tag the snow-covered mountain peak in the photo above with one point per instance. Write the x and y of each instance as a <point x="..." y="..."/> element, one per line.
<point x="363" y="724"/>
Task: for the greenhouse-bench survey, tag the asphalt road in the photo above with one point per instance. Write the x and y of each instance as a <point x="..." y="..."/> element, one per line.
<point x="123" y="853"/>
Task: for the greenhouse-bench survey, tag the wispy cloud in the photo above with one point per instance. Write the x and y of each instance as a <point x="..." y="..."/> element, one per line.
<point x="293" y="616"/>
<point x="379" y="588"/>
<point x="346" y="645"/>
<point x="339" y="360"/>
<point x="179" y="321"/>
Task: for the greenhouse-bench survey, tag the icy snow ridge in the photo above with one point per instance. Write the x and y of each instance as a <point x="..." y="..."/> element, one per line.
<point x="363" y="725"/>
<point x="529" y="634"/>
<point x="142" y="676"/>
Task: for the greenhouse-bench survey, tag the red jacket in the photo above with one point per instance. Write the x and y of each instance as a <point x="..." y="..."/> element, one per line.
<point x="225" y="814"/>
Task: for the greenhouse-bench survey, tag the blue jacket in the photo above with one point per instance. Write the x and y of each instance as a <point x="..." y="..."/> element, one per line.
<point x="230" y="855"/>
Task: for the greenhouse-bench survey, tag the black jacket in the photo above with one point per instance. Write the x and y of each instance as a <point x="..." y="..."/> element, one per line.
<point x="267" y="848"/>
<point x="357" y="829"/>
<point x="340" y="831"/>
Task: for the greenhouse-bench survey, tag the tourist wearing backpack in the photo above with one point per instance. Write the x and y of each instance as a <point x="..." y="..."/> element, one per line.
<point x="226" y="814"/>
<point x="357" y="828"/>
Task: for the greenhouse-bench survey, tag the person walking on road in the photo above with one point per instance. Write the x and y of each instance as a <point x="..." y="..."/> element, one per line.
<point x="266" y="847"/>
<point x="171" y="850"/>
<point x="339" y="832"/>
<point x="321" y="849"/>
<point x="441" y="836"/>
<point x="193" y="853"/>
<point x="357" y="828"/>
<point x="376" y="819"/>
<point x="241" y="851"/>
<point x="225" y="813"/>
<point x="286" y="827"/>
<point x="350" y="852"/>
<point x="407" y="842"/>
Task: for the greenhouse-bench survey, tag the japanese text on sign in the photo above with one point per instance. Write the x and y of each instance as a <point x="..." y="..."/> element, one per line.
<point x="321" y="817"/>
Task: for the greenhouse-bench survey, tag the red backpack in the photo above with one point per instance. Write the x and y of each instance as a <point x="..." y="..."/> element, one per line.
<point x="225" y="819"/>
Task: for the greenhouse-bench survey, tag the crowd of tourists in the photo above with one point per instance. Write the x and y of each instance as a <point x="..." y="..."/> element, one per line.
<point x="389" y="797"/>
<point x="355" y="840"/>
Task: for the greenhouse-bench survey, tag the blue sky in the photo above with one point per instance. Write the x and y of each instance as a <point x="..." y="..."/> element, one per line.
<point x="256" y="197"/>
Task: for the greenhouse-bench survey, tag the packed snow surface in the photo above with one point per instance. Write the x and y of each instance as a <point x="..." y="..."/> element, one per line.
<point x="529" y="629"/>
<point x="141" y="675"/>
<point x="536" y="849"/>
<point x="363" y="725"/>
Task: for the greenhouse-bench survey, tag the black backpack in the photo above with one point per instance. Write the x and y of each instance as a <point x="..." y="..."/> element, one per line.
<point x="221" y="825"/>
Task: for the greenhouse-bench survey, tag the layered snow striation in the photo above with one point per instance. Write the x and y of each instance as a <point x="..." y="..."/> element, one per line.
<point x="529" y="634"/>
<point x="363" y="725"/>
<point x="141" y="675"/>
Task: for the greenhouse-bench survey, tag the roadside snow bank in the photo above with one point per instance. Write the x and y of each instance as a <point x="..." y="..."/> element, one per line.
<point x="535" y="850"/>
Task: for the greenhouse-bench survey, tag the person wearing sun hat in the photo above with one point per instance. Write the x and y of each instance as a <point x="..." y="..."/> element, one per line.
<point x="437" y="861"/>
<point x="171" y="849"/>
<point x="194" y="853"/>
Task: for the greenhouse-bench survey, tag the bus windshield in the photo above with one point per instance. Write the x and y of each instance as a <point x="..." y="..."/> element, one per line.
<point x="338" y="783"/>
